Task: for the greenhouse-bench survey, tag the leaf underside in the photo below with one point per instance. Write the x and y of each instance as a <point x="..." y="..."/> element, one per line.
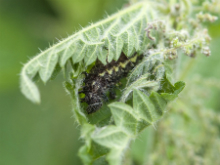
<point x="104" y="40"/>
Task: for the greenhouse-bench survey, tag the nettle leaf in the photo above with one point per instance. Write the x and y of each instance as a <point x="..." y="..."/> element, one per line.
<point x="150" y="91"/>
<point x="104" y="40"/>
<point x="140" y="83"/>
<point x="124" y="117"/>
<point x="144" y="67"/>
<point x="129" y="122"/>
<point x="147" y="90"/>
<point x="141" y="101"/>
<point x="72" y="89"/>
<point x="148" y="106"/>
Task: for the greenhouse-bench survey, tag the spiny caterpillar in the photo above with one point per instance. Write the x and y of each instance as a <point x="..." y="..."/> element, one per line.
<point x="103" y="79"/>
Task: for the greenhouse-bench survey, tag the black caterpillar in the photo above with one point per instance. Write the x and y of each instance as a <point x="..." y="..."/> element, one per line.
<point x="103" y="78"/>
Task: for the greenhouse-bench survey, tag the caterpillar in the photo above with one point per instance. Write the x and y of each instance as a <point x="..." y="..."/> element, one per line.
<point x="103" y="79"/>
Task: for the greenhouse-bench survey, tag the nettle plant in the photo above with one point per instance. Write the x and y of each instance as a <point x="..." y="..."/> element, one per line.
<point x="121" y="71"/>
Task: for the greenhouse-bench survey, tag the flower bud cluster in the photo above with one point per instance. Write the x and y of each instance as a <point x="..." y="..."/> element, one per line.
<point x="206" y="17"/>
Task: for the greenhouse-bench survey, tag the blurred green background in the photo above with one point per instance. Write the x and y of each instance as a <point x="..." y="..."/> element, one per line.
<point x="46" y="134"/>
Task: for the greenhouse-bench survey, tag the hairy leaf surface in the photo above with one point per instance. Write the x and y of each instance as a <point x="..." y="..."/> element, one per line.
<point x="104" y="40"/>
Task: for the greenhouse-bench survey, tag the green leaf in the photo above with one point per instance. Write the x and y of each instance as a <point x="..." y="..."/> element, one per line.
<point x="177" y="88"/>
<point x="29" y="89"/>
<point x="115" y="157"/>
<point x="91" y="55"/>
<point x="145" y="66"/>
<point x="55" y="72"/>
<point x="143" y="106"/>
<point x="72" y="89"/>
<point x="110" y="137"/>
<point x="47" y="63"/>
<point x="159" y="103"/>
<point x="113" y="138"/>
<point x="66" y="54"/>
<point x="85" y="157"/>
<point x="140" y="83"/>
<point x="115" y="33"/>
<point x="118" y="45"/>
<point x="124" y="117"/>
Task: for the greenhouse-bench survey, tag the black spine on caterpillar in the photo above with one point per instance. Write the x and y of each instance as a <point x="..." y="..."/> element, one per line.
<point x="103" y="78"/>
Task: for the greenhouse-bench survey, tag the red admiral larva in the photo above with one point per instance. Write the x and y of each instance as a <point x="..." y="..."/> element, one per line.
<point x="103" y="78"/>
